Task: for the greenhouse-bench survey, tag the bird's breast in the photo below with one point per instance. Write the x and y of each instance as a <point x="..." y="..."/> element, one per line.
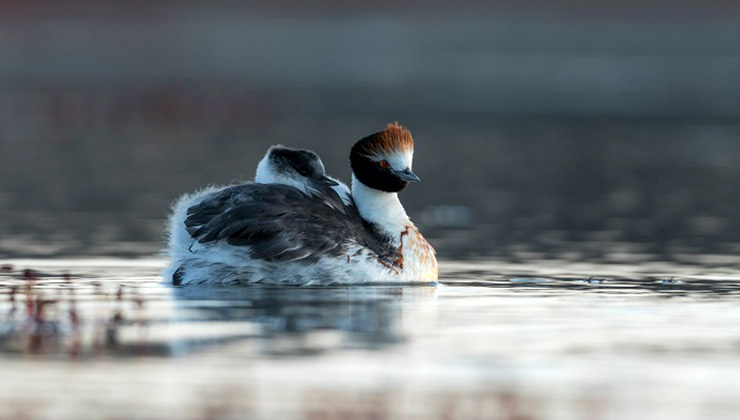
<point x="417" y="258"/>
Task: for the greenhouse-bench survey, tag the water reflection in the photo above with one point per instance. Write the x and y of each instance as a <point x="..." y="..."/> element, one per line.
<point x="554" y="279"/>
<point x="292" y="320"/>
<point x="66" y="316"/>
<point x="81" y="317"/>
<point x="538" y="341"/>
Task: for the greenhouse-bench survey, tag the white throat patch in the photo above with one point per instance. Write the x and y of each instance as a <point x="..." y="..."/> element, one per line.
<point x="379" y="207"/>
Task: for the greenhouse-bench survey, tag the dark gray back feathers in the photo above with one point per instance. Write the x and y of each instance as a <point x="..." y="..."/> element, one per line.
<point x="280" y="223"/>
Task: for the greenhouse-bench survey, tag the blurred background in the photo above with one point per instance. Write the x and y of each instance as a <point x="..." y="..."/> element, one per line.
<point x="582" y="130"/>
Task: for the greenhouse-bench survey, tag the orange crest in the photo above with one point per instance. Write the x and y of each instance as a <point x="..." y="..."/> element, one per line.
<point x="393" y="139"/>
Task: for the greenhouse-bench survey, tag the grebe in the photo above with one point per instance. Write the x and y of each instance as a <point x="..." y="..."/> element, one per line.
<point x="273" y="233"/>
<point x="300" y="169"/>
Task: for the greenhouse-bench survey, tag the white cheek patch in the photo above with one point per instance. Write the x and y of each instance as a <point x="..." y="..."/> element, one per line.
<point x="401" y="161"/>
<point x="264" y="173"/>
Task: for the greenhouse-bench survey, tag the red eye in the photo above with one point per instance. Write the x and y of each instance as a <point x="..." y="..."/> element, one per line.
<point x="385" y="164"/>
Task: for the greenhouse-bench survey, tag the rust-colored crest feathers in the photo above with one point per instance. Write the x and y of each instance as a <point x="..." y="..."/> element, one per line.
<point x="393" y="139"/>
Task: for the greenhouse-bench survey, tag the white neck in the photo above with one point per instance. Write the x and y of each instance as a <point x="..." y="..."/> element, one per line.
<point x="379" y="207"/>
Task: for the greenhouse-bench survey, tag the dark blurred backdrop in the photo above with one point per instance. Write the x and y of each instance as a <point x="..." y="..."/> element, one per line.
<point x="603" y="130"/>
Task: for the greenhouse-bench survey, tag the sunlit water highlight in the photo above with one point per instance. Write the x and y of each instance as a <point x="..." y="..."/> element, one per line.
<point x="548" y="340"/>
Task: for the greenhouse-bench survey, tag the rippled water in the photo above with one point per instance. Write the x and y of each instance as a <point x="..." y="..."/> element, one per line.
<point x="91" y="339"/>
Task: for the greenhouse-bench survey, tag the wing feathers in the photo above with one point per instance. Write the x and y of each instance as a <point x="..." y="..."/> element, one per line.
<point x="280" y="223"/>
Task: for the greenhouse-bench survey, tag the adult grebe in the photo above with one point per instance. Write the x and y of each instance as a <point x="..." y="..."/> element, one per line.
<point x="272" y="233"/>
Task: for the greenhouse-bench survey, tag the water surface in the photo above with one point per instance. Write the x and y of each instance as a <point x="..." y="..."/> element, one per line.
<point x="102" y="338"/>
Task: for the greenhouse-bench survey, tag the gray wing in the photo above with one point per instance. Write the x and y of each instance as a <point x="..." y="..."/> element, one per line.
<point x="280" y="223"/>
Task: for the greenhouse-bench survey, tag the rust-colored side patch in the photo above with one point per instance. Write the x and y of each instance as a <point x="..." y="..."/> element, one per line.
<point x="398" y="261"/>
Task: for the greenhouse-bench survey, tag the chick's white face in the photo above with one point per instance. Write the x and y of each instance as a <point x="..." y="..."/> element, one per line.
<point x="301" y="169"/>
<point x="268" y="174"/>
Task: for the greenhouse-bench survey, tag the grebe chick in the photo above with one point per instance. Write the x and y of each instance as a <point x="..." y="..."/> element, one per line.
<point x="297" y="168"/>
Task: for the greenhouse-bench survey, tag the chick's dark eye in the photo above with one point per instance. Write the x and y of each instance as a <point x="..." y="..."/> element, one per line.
<point x="384" y="164"/>
<point x="302" y="172"/>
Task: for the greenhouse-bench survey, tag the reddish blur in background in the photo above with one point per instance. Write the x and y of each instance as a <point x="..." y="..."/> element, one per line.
<point x="574" y="129"/>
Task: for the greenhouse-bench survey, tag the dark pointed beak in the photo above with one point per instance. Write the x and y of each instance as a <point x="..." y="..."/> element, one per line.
<point x="328" y="181"/>
<point x="407" y="176"/>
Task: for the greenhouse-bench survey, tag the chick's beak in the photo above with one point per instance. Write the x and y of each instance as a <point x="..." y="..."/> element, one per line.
<point x="328" y="181"/>
<point x="407" y="175"/>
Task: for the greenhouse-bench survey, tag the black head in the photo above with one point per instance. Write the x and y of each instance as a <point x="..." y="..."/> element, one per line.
<point x="298" y="163"/>
<point x="382" y="160"/>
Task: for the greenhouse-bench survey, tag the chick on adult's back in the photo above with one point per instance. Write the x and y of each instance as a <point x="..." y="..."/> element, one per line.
<point x="272" y="233"/>
<point x="297" y="168"/>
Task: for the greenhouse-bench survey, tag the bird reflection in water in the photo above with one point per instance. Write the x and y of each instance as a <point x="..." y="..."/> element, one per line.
<point x="79" y="318"/>
<point x="300" y="320"/>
